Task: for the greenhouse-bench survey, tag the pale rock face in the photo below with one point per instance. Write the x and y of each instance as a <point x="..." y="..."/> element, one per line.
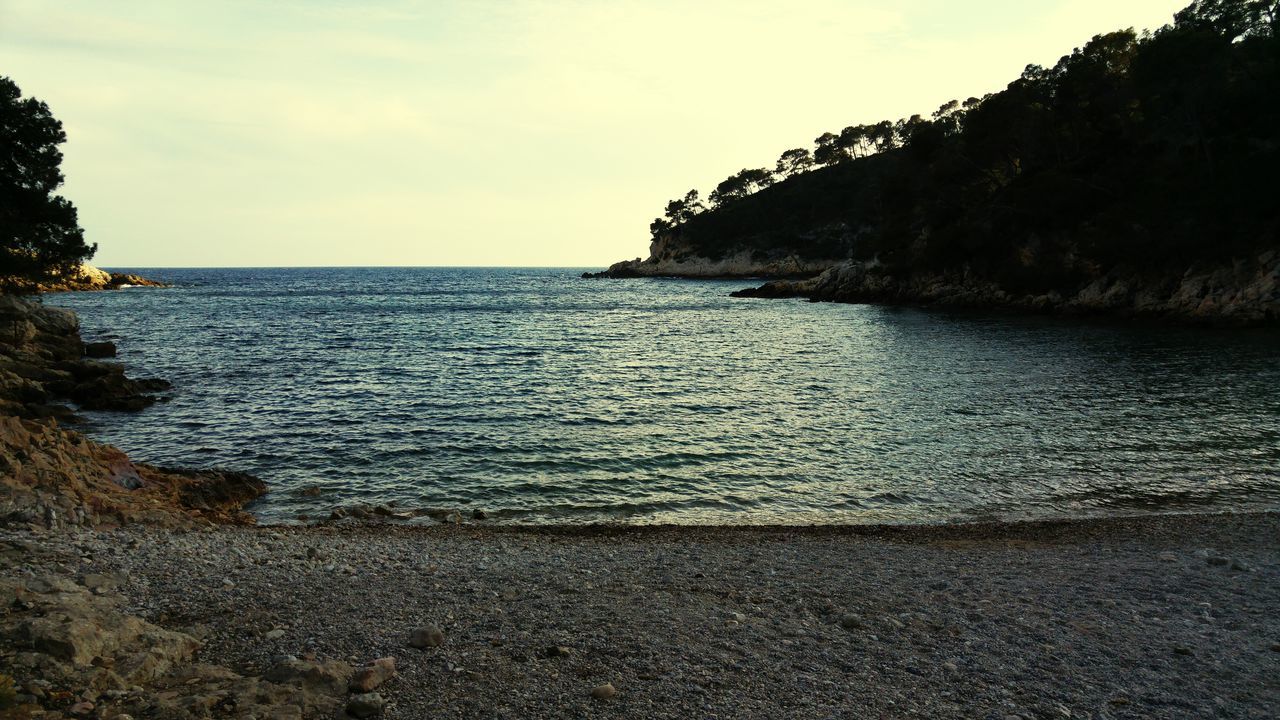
<point x="91" y="275"/>
<point x="669" y="257"/>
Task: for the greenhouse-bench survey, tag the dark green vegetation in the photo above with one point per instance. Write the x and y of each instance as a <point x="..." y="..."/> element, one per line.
<point x="1146" y="150"/>
<point x="40" y="237"/>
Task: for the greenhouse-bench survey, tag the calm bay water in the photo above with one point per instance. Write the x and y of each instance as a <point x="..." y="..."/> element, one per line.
<point x="541" y="397"/>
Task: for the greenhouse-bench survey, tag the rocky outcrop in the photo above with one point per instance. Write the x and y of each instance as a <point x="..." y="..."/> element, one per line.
<point x="43" y="363"/>
<point x="671" y="256"/>
<point x="51" y="477"/>
<point x="1246" y="292"/>
<point x="74" y="651"/>
<point x="89" y="278"/>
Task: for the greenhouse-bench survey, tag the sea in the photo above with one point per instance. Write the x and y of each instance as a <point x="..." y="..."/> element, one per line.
<point x="541" y="397"/>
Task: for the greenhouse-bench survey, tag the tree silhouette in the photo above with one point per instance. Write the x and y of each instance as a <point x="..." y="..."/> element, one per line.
<point x="793" y="162"/>
<point x="39" y="233"/>
<point x="740" y="185"/>
<point x="1138" y="149"/>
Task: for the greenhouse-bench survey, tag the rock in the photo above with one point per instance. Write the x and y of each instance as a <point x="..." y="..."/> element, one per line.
<point x="480" y="515"/>
<point x="81" y="709"/>
<point x="428" y="636"/>
<point x="1217" y="560"/>
<point x="1239" y="565"/>
<point x="851" y="622"/>
<point x="371" y="676"/>
<point x="1182" y="650"/>
<point x="1167" y="557"/>
<point x="104" y="349"/>
<point x="100" y="583"/>
<point x="329" y="677"/>
<point x="1275" y="647"/>
<point x="275" y="634"/>
<point x="554" y="651"/>
<point x="365" y="705"/>
<point x="604" y="692"/>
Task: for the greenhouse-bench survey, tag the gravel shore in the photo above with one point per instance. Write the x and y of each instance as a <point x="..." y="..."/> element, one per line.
<point x="1166" y="616"/>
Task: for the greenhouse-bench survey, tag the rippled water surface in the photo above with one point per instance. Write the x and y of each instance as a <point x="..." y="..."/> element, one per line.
<point x="539" y="397"/>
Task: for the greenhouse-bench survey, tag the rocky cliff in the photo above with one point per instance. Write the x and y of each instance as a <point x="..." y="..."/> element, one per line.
<point x="1244" y="292"/>
<point x="50" y="476"/>
<point x="673" y="256"/>
<point x="44" y="362"/>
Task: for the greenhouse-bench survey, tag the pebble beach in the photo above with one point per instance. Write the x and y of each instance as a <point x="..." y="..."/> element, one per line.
<point x="1160" y="616"/>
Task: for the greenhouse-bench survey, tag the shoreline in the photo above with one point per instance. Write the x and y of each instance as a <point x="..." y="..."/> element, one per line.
<point x="1168" y="616"/>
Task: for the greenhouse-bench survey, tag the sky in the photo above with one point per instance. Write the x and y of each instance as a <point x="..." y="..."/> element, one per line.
<point x="530" y="133"/>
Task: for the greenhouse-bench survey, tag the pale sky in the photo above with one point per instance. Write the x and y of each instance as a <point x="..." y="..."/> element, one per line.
<point x="546" y="132"/>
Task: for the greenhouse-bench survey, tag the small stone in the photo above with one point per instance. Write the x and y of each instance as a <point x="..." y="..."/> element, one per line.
<point x="81" y="708"/>
<point x="894" y="623"/>
<point x="553" y="651"/>
<point x="426" y="637"/>
<point x="604" y="692"/>
<point x="371" y="676"/>
<point x="275" y="634"/>
<point x="1182" y="650"/>
<point x="1239" y="565"/>
<point x="1275" y="647"/>
<point x="365" y="705"/>
<point x="1217" y="560"/>
<point x="851" y="622"/>
<point x="480" y="515"/>
<point x="1167" y="557"/>
<point x="950" y="667"/>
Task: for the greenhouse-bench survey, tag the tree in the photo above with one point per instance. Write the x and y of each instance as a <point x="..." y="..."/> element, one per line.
<point x="826" y="150"/>
<point x="740" y="185"/>
<point x="40" y="236"/>
<point x="794" y="162"/>
<point x="681" y="210"/>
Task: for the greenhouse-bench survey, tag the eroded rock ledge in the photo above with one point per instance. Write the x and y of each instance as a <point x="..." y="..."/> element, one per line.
<point x="44" y="362"/>
<point x="1246" y="292"/>
<point x="673" y="257"/>
<point x="50" y="476"/>
<point x="90" y="278"/>
<point x="75" y="651"/>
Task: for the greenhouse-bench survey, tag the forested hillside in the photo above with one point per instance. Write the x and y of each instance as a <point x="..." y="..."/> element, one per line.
<point x="1157" y="150"/>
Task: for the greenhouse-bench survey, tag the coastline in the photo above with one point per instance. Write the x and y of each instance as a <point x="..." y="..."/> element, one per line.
<point x="1155" y="616"/>
<point x="1242" y="291"/>
<point x="151" y="601"/>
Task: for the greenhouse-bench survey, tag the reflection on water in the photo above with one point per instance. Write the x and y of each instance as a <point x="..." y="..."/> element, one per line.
<point x="542" y="397"/>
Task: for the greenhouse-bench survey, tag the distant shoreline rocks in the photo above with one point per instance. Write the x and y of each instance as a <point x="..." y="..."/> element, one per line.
<point x="1242" y="293"/>
<point x="88" y="278"/>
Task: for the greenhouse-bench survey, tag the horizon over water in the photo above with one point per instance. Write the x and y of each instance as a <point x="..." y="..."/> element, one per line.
<point x="541" y="397"/>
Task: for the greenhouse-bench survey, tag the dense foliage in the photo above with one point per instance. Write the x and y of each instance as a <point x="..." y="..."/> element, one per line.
<point x="1133" y="149"/>
<point x="40" y="236"/>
